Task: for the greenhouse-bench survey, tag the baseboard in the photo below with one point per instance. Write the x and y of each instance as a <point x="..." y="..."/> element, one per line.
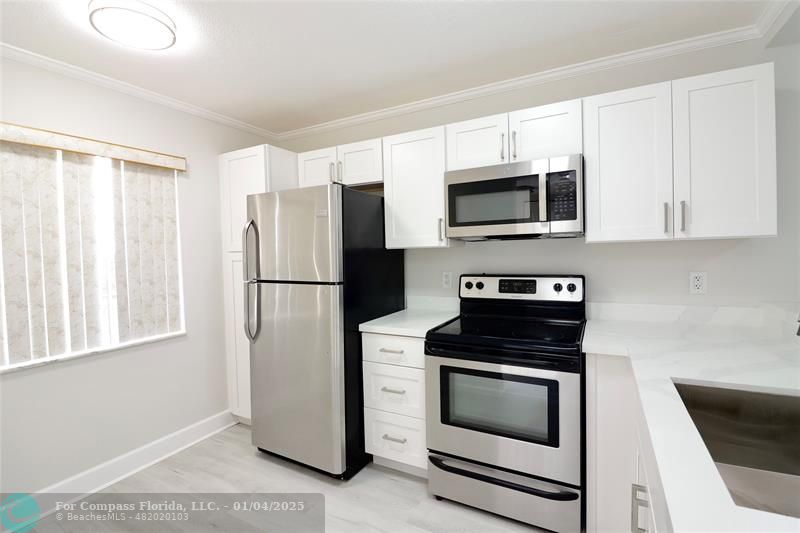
<point x="101" y="476"/>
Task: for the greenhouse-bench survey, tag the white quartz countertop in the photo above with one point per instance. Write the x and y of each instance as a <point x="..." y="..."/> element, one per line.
<point x="408" y="322"/>
<point x="707" y="353"/>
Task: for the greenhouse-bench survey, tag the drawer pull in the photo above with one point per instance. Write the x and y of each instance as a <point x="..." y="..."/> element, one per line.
<point x="393" y="391"/>
<point x="386" y="436"/>
<point x="389" y="350"/>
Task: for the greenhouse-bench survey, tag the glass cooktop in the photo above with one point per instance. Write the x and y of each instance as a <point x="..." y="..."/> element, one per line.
<point x="509" y="332"/>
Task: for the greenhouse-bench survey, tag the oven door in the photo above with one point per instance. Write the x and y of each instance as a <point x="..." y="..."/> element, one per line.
<point x="500" y="200"/>
<point x="520" y="418"/>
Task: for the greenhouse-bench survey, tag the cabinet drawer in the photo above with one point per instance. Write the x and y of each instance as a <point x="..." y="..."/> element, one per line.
<point x="395" y="389"/>
<point x="393" y="349"/>
<point x="396" y="437"/>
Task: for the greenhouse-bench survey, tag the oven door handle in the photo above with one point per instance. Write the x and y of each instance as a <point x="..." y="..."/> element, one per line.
<point x="562" y="496"/>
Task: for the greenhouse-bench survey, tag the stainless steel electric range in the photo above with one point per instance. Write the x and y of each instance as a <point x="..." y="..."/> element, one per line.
<point x="505" y="396"/>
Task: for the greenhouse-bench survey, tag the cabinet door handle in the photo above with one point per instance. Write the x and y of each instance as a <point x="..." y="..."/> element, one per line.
<point x="636" y="503"/>
<point x="441" y="229"/>
<point x="502" y="146"/>
<point x="514" y="144"/>
<point x="402" y="440"/>
<point x="393" y="391"/>
<point x="339" y="171"/>
<point x="389" y="350"/>
<point x="666" y="217"/>
<point x="683" y="215"/>
<point x="331" y="172"/>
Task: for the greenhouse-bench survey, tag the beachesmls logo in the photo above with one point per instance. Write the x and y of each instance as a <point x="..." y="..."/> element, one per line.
<point x="19" y="512"/>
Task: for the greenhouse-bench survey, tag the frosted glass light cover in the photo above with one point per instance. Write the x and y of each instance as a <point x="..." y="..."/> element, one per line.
<point x="132" y="23"/>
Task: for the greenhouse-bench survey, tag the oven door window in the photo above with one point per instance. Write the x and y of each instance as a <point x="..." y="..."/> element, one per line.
<point x="499" y="201"/>
<point x="519" y="407"/>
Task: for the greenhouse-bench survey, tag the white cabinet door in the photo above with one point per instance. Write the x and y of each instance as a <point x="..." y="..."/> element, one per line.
<point x="477" y="143"/>
<point x="317" y="167"/>
<point x="627" y="148"/>
<point x="241" y="173"/>
<point x="237" y="347"/>
<point x="413" y="173"/>
<point x="359" y="163"/>
<point x="725" y="177"/>
<point x="282" y="169"/>
<point x="546" y="131"/>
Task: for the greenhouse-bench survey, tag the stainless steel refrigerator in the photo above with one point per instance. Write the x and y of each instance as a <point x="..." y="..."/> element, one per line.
<point x="315" y="267"/>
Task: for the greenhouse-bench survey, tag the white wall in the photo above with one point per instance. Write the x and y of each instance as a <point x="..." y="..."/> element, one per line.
<point x="60" y="419"/>
<point x="741" y="272"/>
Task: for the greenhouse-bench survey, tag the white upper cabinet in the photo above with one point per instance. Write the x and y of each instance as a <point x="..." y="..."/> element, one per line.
<point x="252" y="170"/>
<point x="627" y="147"/>
<point x="477" y="143"/>
<point x="241" y="173"/>
<point x="360" y="163"/>
<point x="545" y="131"/>
<point x="317" y="167"/>
<point x="724" y="135"/>
<point x="413" y="173"/>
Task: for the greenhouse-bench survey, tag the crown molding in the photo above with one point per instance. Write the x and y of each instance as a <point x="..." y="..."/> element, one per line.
<point x="546" y="76"/>
<point x="772" y="18"/>
<point x="53" y="65"/>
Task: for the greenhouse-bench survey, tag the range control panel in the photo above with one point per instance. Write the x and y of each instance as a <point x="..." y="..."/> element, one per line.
<point x="532" y="288"/>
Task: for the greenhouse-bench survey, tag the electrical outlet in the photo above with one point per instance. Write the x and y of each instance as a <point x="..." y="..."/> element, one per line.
<point x="447" y="280"/>
<point x="698" y="282"/>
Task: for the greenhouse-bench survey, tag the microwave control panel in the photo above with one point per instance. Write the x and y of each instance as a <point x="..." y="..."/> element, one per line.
<point x="563" y="195"/>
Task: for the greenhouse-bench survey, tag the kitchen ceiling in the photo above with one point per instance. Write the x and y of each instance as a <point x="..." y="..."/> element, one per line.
<point x="282" y="66"/>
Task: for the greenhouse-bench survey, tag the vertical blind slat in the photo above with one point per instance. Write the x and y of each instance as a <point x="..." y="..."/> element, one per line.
<point x="89" y="253"/>
<point x="174" y="305"/>
<point x="54" y="282"/>
<point x="13" y="166"/>
<point x="31" y="227"/>
<point x="120" y="254"/>
<point x="74" y="165"/>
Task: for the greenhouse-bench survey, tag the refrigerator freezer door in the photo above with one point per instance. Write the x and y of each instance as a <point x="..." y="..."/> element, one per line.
<point x="298" y="234"/>
<point x="297" y="375"/>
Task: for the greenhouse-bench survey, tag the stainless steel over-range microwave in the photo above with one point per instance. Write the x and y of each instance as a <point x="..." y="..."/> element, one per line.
<point x="529" y="199"/>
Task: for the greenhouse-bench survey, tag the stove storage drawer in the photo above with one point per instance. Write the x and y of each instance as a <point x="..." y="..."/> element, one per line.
<point x="394" y="389"/>
<point x="393" y="349"/>
<point x="395" y="437"/>
<point x="540" y="503"/>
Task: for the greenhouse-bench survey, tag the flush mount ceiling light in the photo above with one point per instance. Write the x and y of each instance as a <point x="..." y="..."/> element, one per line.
<point x="132" y="23"/>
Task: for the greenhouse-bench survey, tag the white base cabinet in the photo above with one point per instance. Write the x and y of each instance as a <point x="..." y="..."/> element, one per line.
<point x="623" y="488"/>
<point x="253" y="170"/>
<point x="394" y="398"/>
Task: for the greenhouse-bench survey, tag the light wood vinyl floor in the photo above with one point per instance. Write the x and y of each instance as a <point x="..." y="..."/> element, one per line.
<point x="376" y="499"/>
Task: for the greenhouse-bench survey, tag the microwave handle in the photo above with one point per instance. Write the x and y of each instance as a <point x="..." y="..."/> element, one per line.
<point x="561" y="496"/>
<point x="543" y="197"/>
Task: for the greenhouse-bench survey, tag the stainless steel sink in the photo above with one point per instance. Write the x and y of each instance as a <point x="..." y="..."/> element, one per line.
<point x="754" y="438"/>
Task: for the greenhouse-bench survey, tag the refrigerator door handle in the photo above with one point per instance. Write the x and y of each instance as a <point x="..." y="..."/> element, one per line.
<point x="251" y="329"/>
<point x="249" y="281"/>
<point x="245" y="254"/>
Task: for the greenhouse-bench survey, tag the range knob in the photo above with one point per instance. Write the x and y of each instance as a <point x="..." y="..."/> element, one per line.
<point x="558" y="287"/>
<point x="571" y="287"/>
<point x="468" y="285"/>
<point x="479" y="285"/>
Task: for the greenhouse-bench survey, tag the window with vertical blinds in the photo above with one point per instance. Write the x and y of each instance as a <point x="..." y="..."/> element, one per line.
<point x="89" y="254"/>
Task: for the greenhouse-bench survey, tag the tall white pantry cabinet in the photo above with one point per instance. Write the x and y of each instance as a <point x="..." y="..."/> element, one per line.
<point x="253" y="170"/>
